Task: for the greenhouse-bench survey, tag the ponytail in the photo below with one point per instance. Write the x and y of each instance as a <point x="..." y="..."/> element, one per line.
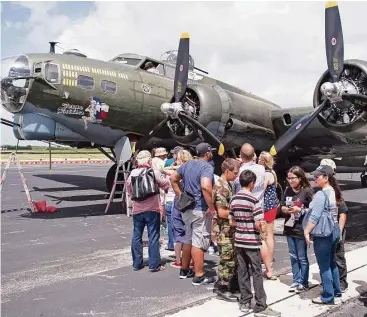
<point x="338" y="192"/>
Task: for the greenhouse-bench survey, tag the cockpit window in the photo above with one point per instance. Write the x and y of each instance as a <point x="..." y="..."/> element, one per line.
<point x="153" y="67"/>
<point x="52" y="73"/>
<point x="170" y="71"/>
<point x="85" y="82"/>
<point x="20" y="68"/>
<point x="127" y="61"/>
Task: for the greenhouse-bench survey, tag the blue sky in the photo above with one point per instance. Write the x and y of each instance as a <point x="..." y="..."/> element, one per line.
<point x="15" y="38"/>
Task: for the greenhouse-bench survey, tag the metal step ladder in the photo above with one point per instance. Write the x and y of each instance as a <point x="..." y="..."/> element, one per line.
<point x="13" y="158"/>
<point x="124" y="169"/>
<point x="124" y="153"/>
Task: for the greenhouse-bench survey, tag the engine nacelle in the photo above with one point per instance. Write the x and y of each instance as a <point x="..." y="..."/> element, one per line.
<point x="344" y="119"/>
<point x="233" y="117"/>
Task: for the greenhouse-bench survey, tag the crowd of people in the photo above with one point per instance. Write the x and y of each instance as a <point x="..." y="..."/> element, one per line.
<point x="235" y="213"/>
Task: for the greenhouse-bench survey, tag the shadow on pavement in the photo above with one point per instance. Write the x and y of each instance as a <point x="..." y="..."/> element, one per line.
<point x="80" y="211"/>
<point x="79" y="181"/>
<point x="356" y="226"/>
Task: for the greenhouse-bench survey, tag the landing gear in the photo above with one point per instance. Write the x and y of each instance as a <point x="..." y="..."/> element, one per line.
<point x="364" y="179"/>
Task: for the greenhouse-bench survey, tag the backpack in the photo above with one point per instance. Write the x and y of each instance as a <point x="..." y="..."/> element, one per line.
<point x="144" y="185"/>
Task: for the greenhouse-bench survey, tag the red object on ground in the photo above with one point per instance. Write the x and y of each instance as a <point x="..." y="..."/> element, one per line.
<point x="51" y="209"/>
<point x="41" y="206"/>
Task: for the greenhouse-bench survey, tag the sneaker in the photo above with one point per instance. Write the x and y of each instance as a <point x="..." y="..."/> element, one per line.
<point x="176" y="264"/>
<point x="245" y="308"/>
<point x="300" y="289"/>
<point x="202" y="280"/>
<point x="268" y="312"/>
<point x="317" y="300"/>
<point x="338" y="301"/>
<point x="186" y="274"/>
<point x="293" y="288"/>
<point x="227" y="296"/>
<point x="343" y="290"/>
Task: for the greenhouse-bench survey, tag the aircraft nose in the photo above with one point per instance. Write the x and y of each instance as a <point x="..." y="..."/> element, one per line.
<point x="14" y="91"/>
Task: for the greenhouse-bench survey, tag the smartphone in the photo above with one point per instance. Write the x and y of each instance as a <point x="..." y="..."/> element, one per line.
<point x="289" y="202"/>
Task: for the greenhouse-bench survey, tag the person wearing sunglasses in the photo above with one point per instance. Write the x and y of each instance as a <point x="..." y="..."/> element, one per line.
<point x="296" y="196"/>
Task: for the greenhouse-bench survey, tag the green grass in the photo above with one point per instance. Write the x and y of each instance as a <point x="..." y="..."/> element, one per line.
<point x="56" y="154"/>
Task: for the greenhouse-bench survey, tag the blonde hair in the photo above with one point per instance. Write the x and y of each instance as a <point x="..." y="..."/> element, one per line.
<point x="269" y="163"/>
<point x="268" y="159"/>
<point x="183" y="156"/>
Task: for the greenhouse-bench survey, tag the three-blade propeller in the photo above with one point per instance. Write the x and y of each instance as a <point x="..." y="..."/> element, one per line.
<point x="180" y="86"/>
<point x="335" y="59"/>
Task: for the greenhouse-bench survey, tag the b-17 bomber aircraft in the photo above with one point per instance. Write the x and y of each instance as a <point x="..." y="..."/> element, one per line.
<point x="71" y="99"/>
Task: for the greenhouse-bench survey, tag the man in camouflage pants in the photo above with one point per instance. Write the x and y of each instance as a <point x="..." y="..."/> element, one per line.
<point x="223" y="233"/>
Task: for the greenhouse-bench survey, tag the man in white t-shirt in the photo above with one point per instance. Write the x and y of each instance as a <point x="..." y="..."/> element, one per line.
<point x="247" y="156"/>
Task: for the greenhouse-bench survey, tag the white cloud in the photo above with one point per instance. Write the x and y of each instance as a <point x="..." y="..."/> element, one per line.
<point x="273" y="49"/>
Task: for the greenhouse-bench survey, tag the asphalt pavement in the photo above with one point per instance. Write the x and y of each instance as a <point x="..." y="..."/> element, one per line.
<point x="77" y="262"/>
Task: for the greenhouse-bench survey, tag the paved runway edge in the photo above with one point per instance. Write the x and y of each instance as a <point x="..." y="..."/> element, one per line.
<point x="287" y="303"/>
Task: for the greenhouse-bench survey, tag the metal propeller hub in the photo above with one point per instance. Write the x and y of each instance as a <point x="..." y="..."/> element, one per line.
<point x="332" y="91"/>
<point x="172" y="109"/>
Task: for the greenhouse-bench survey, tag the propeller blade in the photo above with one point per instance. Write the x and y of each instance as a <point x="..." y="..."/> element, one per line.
<point x="334" y="40"/>
<point x="148" y="136"/>
<point x="360" y="101"/>
<point x="207" y="135"/>
<point x="182" y="67"/>
<point x="295" y="130"/>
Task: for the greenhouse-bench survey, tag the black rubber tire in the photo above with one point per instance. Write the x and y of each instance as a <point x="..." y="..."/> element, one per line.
<point x="364" y="181"/>
<point x="110" y="178"/>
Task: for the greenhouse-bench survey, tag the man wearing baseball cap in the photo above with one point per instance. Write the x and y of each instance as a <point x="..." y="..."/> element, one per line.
<point x="197" y="181"/>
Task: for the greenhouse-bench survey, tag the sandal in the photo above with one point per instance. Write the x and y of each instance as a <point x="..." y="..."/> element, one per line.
<point x="270" y="278"/>
<point x="161" y="268"/>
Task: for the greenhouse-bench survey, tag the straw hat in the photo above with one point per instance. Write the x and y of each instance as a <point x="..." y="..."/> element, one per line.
<point x="143" y="157"/>
<point x="160" y="151"/>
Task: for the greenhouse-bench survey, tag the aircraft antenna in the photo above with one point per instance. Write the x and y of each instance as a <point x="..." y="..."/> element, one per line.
<point x="52" y="46"/>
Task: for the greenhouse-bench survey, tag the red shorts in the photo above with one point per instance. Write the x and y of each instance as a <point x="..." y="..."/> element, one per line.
<point x="270" y="215"/>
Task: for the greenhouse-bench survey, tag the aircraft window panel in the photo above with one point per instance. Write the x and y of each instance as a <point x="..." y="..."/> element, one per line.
<point x="52" y="74"/>
<point x="38" y="67"/>
<point x="108" y="87"/>
<point x="160" y="69"/>
<point x="170" y="72"/>
<point x="127" y="61"/>
<point x="287" y="119"/>
<point x="85" y="82"/>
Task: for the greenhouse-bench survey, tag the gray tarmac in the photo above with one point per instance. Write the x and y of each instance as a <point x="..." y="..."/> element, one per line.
<point x="354" y="308"/>
<point x="77" y="262"/>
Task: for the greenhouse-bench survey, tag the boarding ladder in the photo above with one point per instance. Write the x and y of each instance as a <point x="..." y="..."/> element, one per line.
<point x="123" y="167"/>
